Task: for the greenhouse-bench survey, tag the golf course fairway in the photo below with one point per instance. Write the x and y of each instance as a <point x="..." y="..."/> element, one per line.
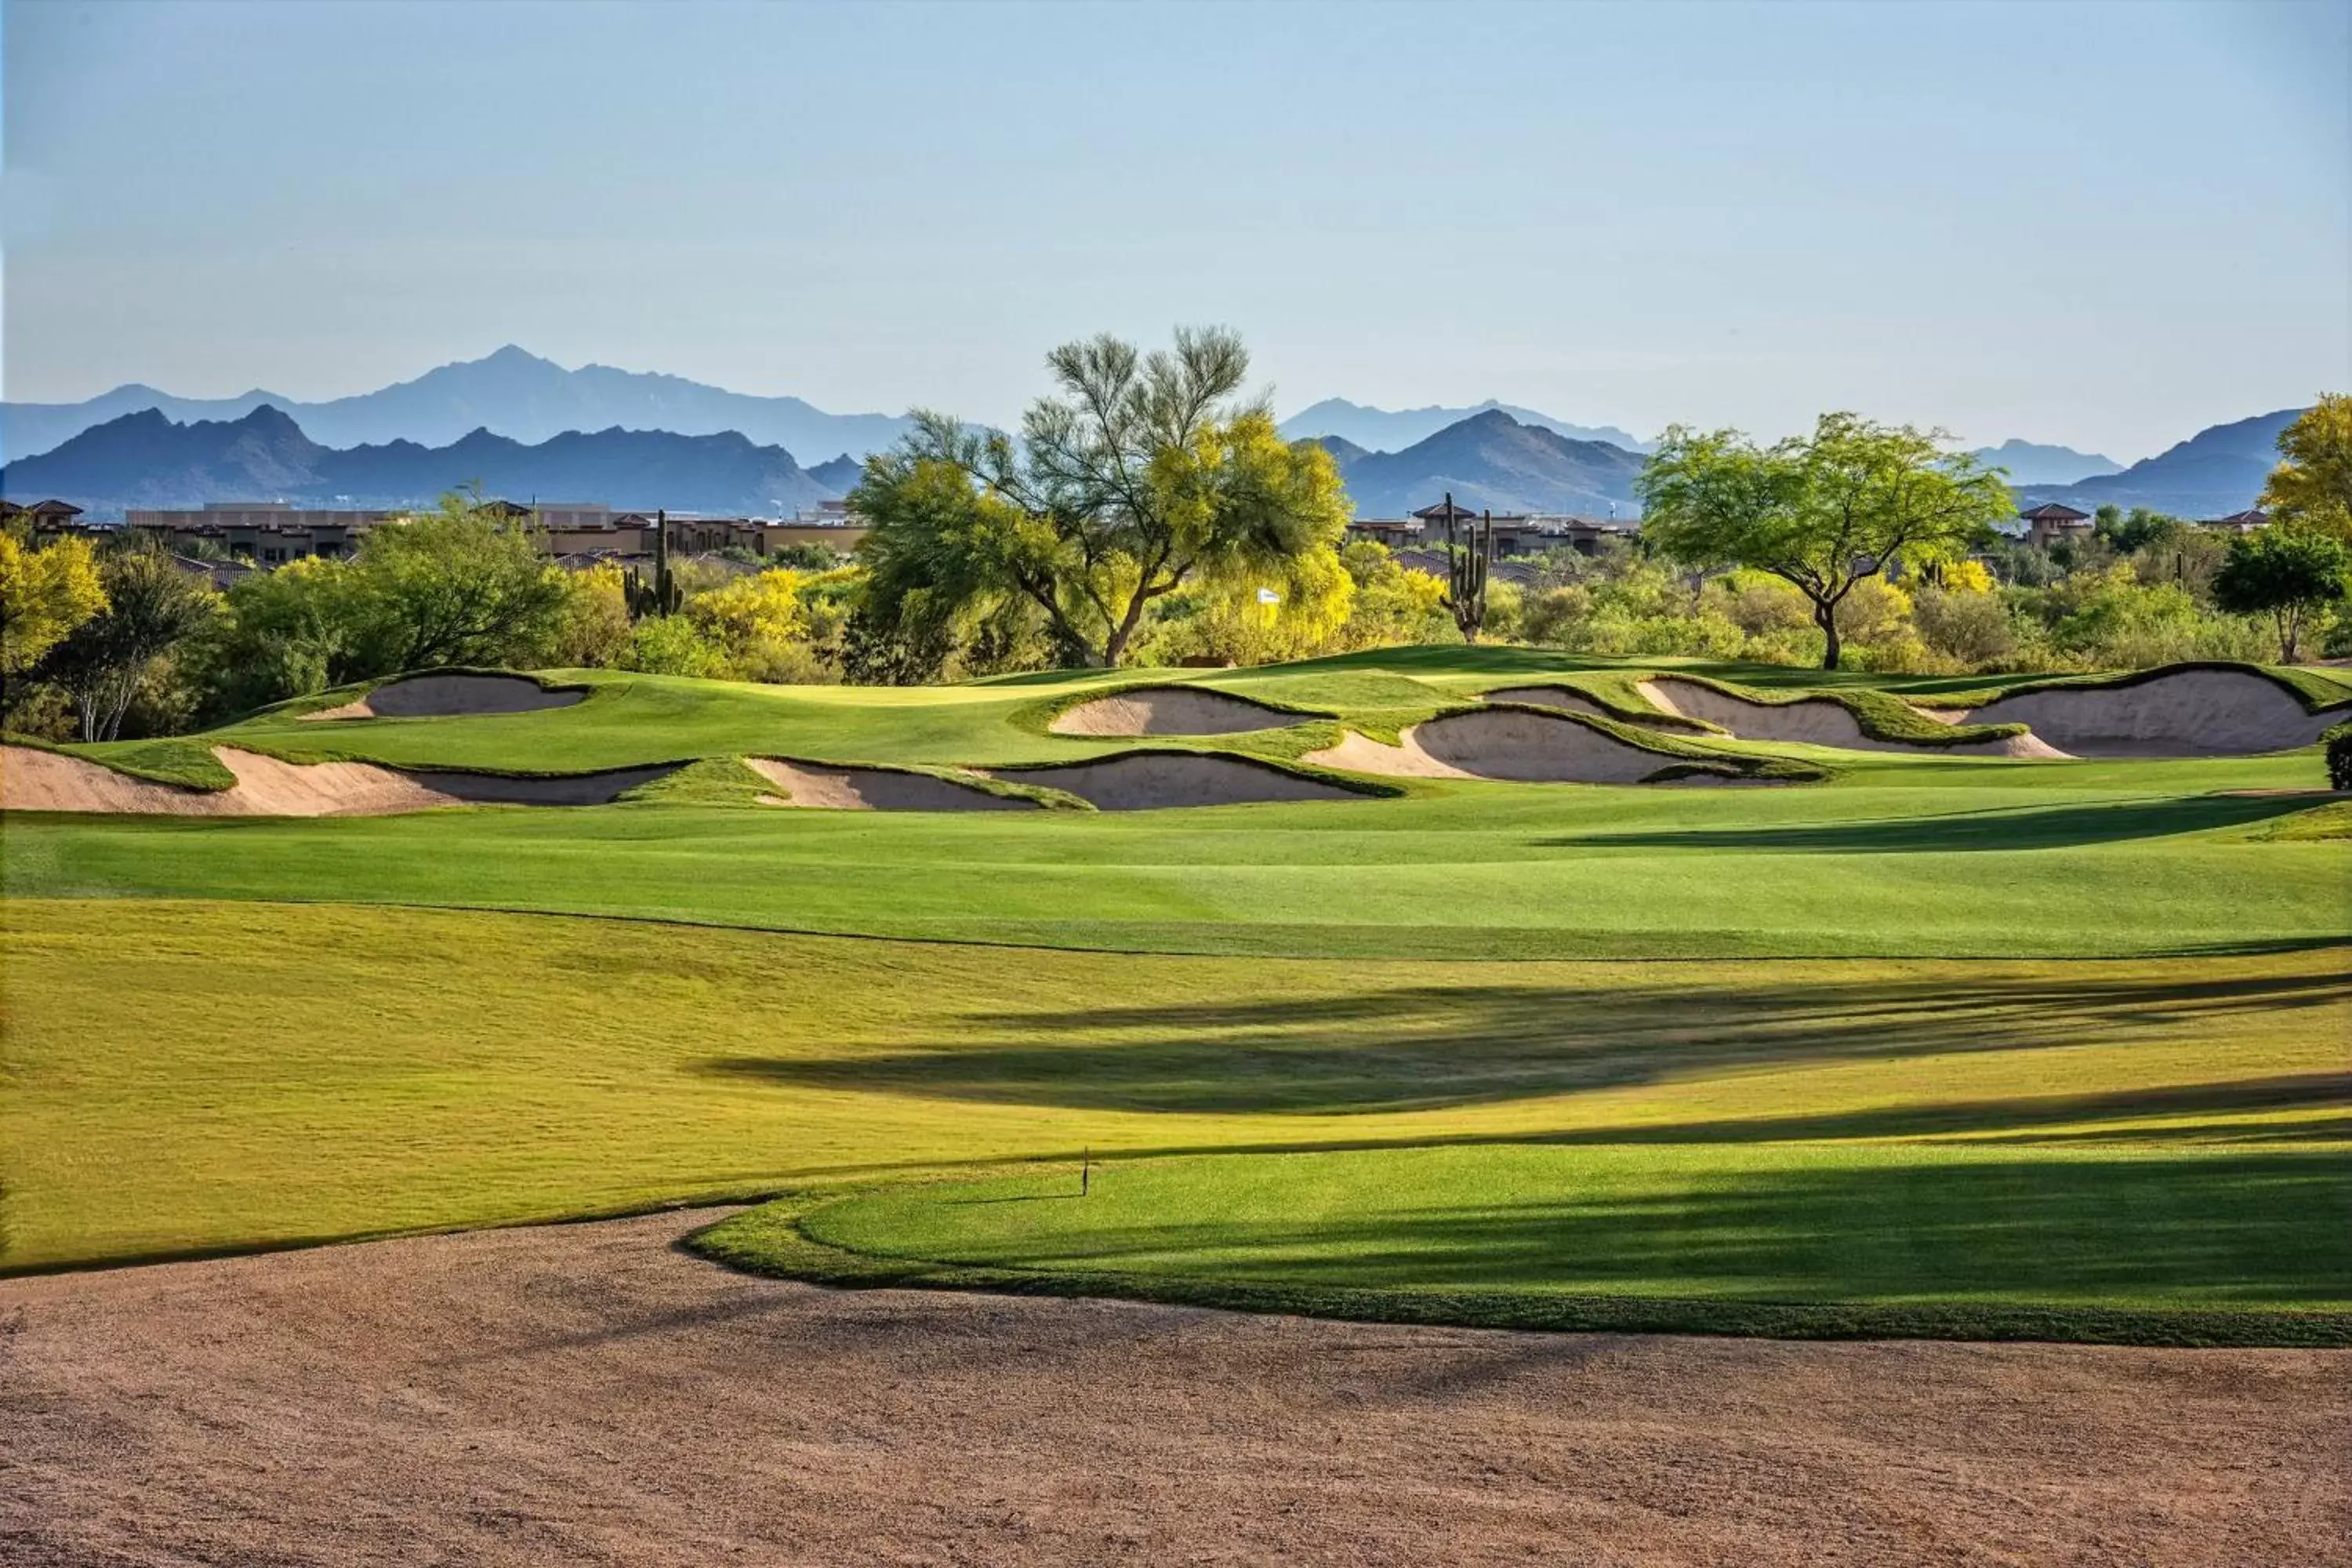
<point x="1887" y="1042"/>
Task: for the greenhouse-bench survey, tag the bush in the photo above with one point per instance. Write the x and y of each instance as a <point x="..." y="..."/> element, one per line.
<point x="672" y="645"/>
<point x="2339" y="757"/>
<point x="1972" y="629"/>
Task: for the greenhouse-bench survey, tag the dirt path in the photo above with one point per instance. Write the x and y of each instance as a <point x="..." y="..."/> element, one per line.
<point x="587" y="1395"/>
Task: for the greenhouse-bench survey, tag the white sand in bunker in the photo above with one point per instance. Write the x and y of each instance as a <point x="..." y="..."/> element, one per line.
<point x="589" y="1394"/>
<point x="824" y="788"/>
<point x="1154" y="780"/>
<point x="1813" y="722"/>
<point x="2189" y="714"/>
<point x="35" y="780"/>
<point x="1529" y="748"/>
<point x="1168" y="711"/>
<point x="450" y="696"/>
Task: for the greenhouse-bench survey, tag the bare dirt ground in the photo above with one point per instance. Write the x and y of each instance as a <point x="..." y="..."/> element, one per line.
<point x="589" y="1395"/>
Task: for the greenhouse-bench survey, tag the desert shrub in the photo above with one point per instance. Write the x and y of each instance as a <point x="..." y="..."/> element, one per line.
<point x="1553" y="614"/>
<point x="673" y="645"/>
<point x="591" y="627"/>
<point x="1505" y="613"/>
<point x="1758" y="604"/>
<point x="1796" y="646"/>
<point x="1972" y="629"/>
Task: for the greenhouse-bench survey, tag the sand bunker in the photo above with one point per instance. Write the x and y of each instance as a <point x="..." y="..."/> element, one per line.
<point x="1507" y="743"/>
<point x="35" y="780"/>
<point x="450" y="696"/>
<point x="874" y="789"/>
<point x="2189" y="714"/>
<point x="1152" y="780"/>
<point x="1813" y="722"/>
<point x="1168" y="711"/>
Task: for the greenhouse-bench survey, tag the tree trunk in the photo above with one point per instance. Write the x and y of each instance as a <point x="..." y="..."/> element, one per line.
<point x="1825" y="617"/>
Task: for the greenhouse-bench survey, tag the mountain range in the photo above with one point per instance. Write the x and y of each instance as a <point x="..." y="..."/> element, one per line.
<point x="1491" y="462"/>
<point x="146" y="460"/>
<point x="511" y="392"/>
<point x="1495" y="456"/>
<point x="2032" y="463"/>
<point x="2218" y="471"/>
<point x="1394" y="430"/>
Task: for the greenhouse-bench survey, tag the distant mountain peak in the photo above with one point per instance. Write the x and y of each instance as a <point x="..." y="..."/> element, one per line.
<point x="1490" y="461"/>
<point x="1393" y="430"/>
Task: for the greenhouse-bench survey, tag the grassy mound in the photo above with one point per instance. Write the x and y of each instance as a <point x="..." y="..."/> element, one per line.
<point x="1944" y="1240"/>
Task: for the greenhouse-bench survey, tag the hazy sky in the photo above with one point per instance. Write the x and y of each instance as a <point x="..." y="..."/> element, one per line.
<point x="2106" y="225"/>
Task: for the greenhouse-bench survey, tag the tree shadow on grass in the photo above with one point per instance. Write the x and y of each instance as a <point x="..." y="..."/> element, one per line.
<point x="2243" y="1230"/>
<point x="1417" y="1047"/>
<point x="2045" y="828"/>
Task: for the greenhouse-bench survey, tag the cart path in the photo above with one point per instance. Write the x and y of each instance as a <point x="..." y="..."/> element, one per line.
<point x="589" y="1394"/>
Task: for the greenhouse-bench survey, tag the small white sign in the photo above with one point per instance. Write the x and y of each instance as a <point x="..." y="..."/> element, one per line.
<point x="1268" y="596"/>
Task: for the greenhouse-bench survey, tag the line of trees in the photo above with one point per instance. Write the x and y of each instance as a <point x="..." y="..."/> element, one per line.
<point x="1148" y="512"/>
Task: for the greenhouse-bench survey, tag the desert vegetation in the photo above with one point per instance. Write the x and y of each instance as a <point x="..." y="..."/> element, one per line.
<point x="1149" y="517"/>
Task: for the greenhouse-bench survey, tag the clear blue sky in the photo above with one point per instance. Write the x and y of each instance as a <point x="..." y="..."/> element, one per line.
<point x="2106" y="225"/>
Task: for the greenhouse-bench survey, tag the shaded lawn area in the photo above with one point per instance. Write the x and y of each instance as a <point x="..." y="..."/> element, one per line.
<point x="1937" y="1239"/>
<point x="182" y="1075"/>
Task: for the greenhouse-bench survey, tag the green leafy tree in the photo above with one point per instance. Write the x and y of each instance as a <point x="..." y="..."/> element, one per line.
<point x="150" y="607"/>
<point x="460" y="585"/>
<point x="1823" y="512"/>
<point x="1146" y="474"/>
<point x="2292" y="574"/>
<point x="45" y="593"/>
<point x="2313" y="485"/>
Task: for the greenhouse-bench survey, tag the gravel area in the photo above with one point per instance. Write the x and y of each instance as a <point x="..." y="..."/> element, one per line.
<point x="590" y="1395"/>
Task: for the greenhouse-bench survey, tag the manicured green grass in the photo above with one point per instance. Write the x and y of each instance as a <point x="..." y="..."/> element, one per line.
<point x="1957" y="859"/>
<point x="1948" y="1046"/>
<point x="2019" y="1234"/>
<point x="184" y="1077"/>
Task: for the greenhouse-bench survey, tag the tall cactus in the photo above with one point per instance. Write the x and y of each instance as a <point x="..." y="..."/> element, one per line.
<point x="662" y="597"/>
<point x="1465" y="571"/>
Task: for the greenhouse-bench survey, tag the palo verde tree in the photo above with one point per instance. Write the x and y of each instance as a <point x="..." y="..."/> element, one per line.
<point x="45" y="593"/>
<point x="1823" y="511"/>
<point x="2313" y="486"/>
<point x="2289" y="572"/>
<point x="1145" y="474"/>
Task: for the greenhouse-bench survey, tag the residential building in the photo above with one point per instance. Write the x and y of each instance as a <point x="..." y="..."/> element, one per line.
<point x="266" y="533"/>
<point x="51" y="516"/>
<point x="2245" y="521"/>
<point x="2048" y="523"/>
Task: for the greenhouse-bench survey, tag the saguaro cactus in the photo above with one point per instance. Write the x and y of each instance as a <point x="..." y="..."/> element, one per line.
<point x="661" y="596"/>
<point x="1465" y="571"/>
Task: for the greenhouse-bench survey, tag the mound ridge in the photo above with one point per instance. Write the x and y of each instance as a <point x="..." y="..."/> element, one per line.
<point x="2170" y="713"/>
<point x="450" y="696"/>
<point x="815" y="785"/>
<point x="1813" y="722"/>
<point x="1150" y="781"/>
<point x="1566" y="696"/>
<point x="36" y="780"/>
<point x="1507" y="743"/>
<point x="1168" y="710"/>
